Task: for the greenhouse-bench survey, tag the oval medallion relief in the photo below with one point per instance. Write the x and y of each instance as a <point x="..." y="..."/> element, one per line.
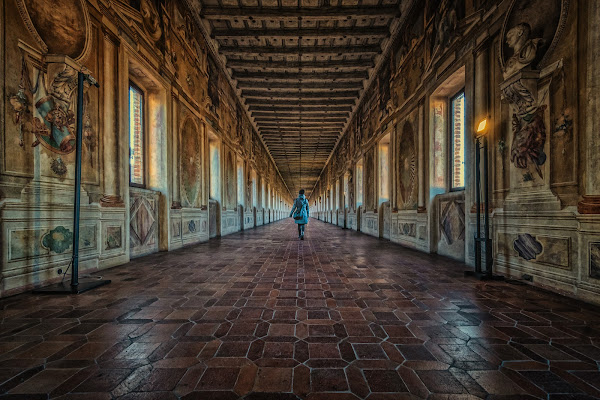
<point x="59" y="29"/>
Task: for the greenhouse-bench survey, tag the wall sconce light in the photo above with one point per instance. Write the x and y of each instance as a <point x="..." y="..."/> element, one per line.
<point x="482" y="127"/>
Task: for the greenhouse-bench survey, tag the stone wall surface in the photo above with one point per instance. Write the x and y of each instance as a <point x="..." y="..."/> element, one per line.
<point x="188" y="103"/>
<point x="529" y="69"/>
<point x="526" y="67"/>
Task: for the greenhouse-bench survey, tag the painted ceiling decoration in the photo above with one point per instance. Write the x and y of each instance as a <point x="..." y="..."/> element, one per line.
<point x="301" y="67"/>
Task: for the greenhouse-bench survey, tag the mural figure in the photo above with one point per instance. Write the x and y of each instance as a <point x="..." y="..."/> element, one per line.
<point x="445" y="25"/>
<point x="384" y="89"/>
<point x="213" y="85"/>
<point x="53" y="122"/>
<point x="54" y="126"/>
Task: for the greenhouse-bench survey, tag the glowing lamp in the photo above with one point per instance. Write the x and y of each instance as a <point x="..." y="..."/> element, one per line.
<point x="482" y="127"/>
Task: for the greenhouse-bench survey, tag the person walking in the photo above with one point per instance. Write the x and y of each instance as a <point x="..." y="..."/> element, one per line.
<point x="300" y="213"/>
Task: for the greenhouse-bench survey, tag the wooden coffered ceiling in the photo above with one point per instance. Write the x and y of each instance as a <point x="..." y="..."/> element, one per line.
<point x="300" y="67"/>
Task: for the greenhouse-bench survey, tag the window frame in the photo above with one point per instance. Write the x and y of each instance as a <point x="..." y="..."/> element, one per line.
<point x="144" y="108"/>
<point x="385" y="141"/>
<point x="360" y="186"/>
<point x="212" y="140"/>
<point x="450" y="139"/>
<point x="240" y="188"/>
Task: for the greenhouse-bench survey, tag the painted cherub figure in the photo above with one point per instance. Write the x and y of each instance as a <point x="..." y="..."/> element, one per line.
<point x="524" y="48"/>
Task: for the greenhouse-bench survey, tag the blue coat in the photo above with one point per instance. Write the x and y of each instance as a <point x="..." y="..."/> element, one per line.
<point x="300" y="206"/>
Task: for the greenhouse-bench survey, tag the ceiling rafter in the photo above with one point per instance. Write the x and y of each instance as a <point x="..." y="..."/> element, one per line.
<point x="293" y="50"/>
<point x="260" y="107"/>
<point x="305" y="124"/>
<point x="329" y="64"/>
<point x="299" y="70"/>
<point x="351" y="94"/>
<point x="317" y="13"/>
<point x="297" y="85"/>
<point x="308" y="75"/>
<point x="317" y="114"/>
<point x="304" y="33"/>
<point x="301" y="102"/>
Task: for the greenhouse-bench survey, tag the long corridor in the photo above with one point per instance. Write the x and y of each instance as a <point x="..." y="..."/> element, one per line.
<point x="262" y="315"/>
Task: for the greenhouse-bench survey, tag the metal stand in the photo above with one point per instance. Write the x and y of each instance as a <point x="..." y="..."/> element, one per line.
<point x="76" y="287"/>
<point x="485" y="240"/>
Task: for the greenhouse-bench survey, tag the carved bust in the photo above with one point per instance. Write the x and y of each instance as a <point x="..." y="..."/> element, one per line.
<point x="524" y="48"/>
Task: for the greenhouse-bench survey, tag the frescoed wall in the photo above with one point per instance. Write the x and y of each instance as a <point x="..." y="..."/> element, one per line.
<point x="160" y="49"/>
<point x="521" y="66"/>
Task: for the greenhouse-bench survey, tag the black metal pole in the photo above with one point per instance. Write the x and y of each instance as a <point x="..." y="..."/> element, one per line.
<point x="78" y="140"/>
<point x="488" y="248"/>
<point x="478" y="205"/>
<point x="76" y="287"/>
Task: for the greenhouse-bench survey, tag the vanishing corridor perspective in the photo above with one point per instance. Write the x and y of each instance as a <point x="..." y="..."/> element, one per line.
<point x="300" y="199"/>
<point x="261" y="315"/>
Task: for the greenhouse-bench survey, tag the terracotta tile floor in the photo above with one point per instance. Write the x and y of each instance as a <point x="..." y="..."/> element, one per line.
<point x="261" y="315"/>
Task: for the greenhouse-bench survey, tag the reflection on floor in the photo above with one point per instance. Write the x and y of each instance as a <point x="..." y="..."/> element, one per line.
<point x="337" y="316"/>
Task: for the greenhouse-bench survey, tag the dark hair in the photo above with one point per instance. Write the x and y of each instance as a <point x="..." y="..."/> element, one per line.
<point x="301" y="191"/>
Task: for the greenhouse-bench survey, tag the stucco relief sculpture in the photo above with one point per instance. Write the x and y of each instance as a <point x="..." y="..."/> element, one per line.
<point x="151" y="20"/>
<point x="531" y="30"/>
<point x="524" y="48"/>
<point x="528" y="128"/>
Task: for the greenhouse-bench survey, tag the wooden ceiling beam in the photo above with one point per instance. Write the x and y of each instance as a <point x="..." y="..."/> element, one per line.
<point x="299" y="85"/>
<point x="317" y="114"/>
<point x="295" y="50"/>
<point x="272" y="120"/>
<point x="284" y="128"/>
<point x="291" y="123"/>
<point x="328" y="76"/>
<point x="290" y="139"/>
<point x="303" y="33"/>
<point x="297" y="136"/>
<point x="312" y="124"/>
<point x="301" y="102"/>
<point x="331" y="64"/>
<point x="313" y="13"/>
<point x="259" y="107"/>
<point x="306" y="173"/>
<point x="351" y="94"/>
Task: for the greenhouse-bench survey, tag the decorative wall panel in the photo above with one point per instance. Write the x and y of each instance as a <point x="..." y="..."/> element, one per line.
<point x="143" y="222"/>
